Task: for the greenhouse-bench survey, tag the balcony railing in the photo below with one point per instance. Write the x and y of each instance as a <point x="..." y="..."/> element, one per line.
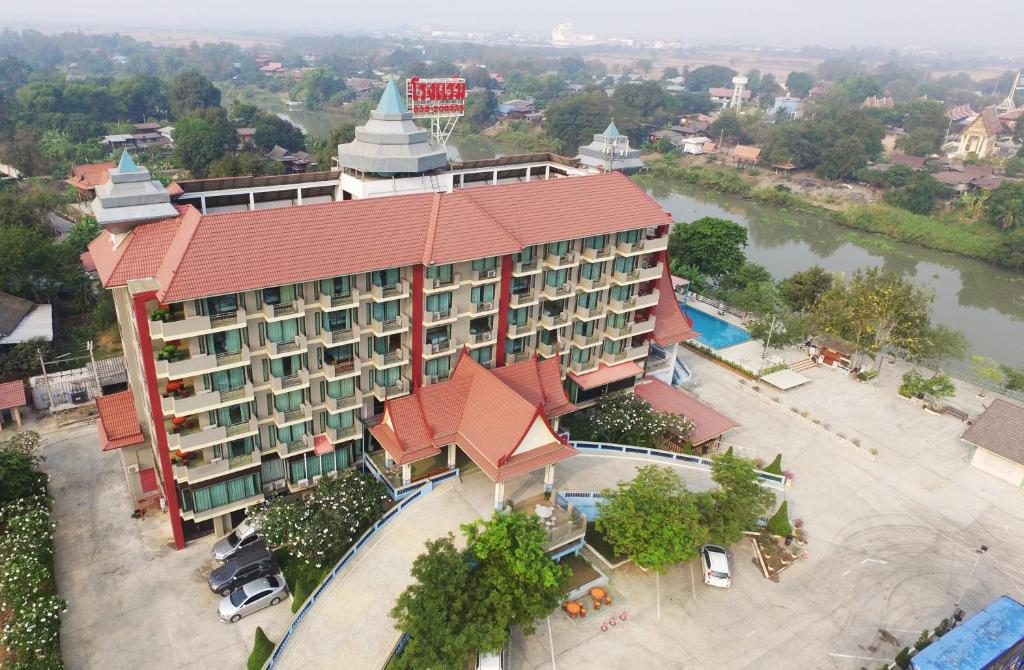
<point x="583" y="341"/>
<point x="443" y="316"/>
<point x="431" y="284"/>
<point x="627" y="354"/>
<point x="399" y="289"/>
<point x="588" y="313"/>
<point x="215" y="468"/>
<point x="518" y="356"/>
<point x="333" y="301"/>
<point x="438" y="348"/>
<point x="581" y="367"/>
<point x="555" y="349"/>
<point x="638" y="274"/>
<point x="196" y="325"/>
<point x="205" y="401"/>
<point x="284" y="310"/>
<point x="526" y="267"/>
<point x="560" y="261"/>
<point x="554" y="320"/>
<point x="389" y="358"/>
<point x="208" y="436"/>
<point x="342" y="369"/>
<point x="486" y="275"/>
<point x="340" y="336"/>
<point x="522" y="299"/>
<point x="643" y="245"/>
<point x="192" y="366"/>
<point x="342" y="434"/>
<point x="286" y="418"/>
<point x="395" y="325"/>
<point x="344" y="403"/>
<point x="400" y="387"/>
<point x="635" y="302"/>
<point x="288" y="347"/>
<point x="602" y="254"/>
<point x="588" y="284"/>
<point x="557" y="292"/>
<point x="478" y="308"/>
<point x="295" y="446"/>
<point x="290" y="382"/>
<point x="520" y="329"/>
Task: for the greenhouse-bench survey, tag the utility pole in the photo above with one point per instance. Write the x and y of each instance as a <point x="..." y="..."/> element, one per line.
<point x="95" y="372"/>
<point x="767" y="343"/>
<point x="958" y="614"/>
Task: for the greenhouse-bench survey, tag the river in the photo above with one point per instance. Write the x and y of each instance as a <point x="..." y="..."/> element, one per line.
<point x="983" y="301"/>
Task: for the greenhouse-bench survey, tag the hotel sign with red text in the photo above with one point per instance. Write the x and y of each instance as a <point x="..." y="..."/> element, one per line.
<point x="436" y="97"/>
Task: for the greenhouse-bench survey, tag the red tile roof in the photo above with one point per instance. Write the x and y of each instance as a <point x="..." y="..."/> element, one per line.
<point x="746" y="153"/>
<point x="726" y="92"/>
<point x="12" y="394"/>
<point x="118" y="424"/>
<point x="87" y="262"/>
<point x="322" y="445"/>
<point x="672" y="326"/>
<point x="197" y="256"/>
<point x="708" y="423"/>
<point x="606" y="374"/>
<point x="89" y="176"/>
<point x="477" y="411"/>
<point x="539" y="382"/>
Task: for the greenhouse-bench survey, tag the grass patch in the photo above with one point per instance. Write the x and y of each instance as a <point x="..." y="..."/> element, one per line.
<point x="261" y="650"/>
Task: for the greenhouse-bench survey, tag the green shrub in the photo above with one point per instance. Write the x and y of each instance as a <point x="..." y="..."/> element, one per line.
<point x="779" y="524"/>
<point x="775" y="467"/>
<point x="867" y="375"/>
<point x="903" y="658"/>
<point x="922" y="641"/>
<point x="303" y="588"/>
<point x="942" y="628"/>
<point x="261" y="650"/>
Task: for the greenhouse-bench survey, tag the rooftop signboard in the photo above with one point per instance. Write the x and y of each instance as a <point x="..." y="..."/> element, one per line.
<point x="427" y="98"/>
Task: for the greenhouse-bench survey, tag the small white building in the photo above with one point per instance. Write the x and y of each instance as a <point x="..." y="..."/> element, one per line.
<point x="998" y="440"/>
<point x="610" y="151"/>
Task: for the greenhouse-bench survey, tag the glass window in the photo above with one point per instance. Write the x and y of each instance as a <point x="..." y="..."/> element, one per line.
<point x="438" y="335"/>
<point x="341" y="388"/>
<point x="616" y="320"/>
<point x="480" y="325"/>
<point x="524" y="256"/>
<point x="286" y="402"/>
<point x="279" y="295"/>
<point x="558" y="248"/>
<point x="272" y="469"/>
<point x="338" y="321"/>
<point x="297" y="470"/>
<point x="442" y="272"/>
<point x="621" y="292"/>
<point x="441" y="302"/>
<point x="628" y="237"/>
<point x="548" y="336"/>
<point x="592" y="271"/>
<point x="480" y="294"/>
<point x="387" y="377"/>
<point x="587" y="300"/>
<point x="342" y="420"/>
<point x="481" y="355"/>
<point x="584" y="327"/>
<point x="225" y="493"/>
<point x="556" y="278"/>
<point x="286" y="367"/>
<point x="521" y="285"/>
<point x="386" y="311"/>
<point x="342" y="354"/>
<point x="336" y="286"/>
<point x="438" y="367"/>
<point x="614" y="346"/>
<point x="625" y="264"/>
<point x="595" y="242"/>
<point x="231" y="415"/>
<point x="485" y="263"/>
<point x="225" y="342"/>
<point x="517" y="317"/>
<point x="222" y="304"/>
<point x="292" y="433"/>
<point x="516" y="346"/>
<point x="227" y="380"/>
<point x="282" y="331"/>
<point x="582" y="355"/>
<point x="386" y="278"/>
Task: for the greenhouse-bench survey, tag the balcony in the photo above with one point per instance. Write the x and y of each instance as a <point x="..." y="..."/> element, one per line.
<point x="436" y="379"/>
<point x="288" y="347"/>
<point x="482" y="308"/>
<point x="204" y="401"/>
<point x="634" y="327"/>
<point x="485" y="276"/>
<point x="627" y="354"/>
<point x="391" y="358"/>
<point x="526" y="268"/>
<point x="520" y="329"/>
<point x="302" y="413"/>
<point x="552" y="321"/>
<point x="524" y="299"/>
<point x="605" y="253"/>
<point x="442" y="317"/>
<point x="192" y="366"/>
<point x="400" y="387"/>
<point x="195" y="325"/>
<point x="281" y="311"/>
<point x="433" y="284"/>
<point x="518" y="356"/>
<point x="589" y="313"/>
<point x="645" y="245"/>
<point x="587" y="284"/>
<point x="433" y="349"/>
<point x="192" y="436"/>
<point x="583" y="341"/>
<point x="332" y="302"/>
<point x="396" y="325"/>
<point x="550" y="350"/>
<point x="557" y="292"/>
<point x="290" y="382"/>
<point x="226" y="508"/>
<point x="353" y="432"/>
<point x="215" y="468"/>
<point x="345" y="403"/>
<point x="645" y="272"/>
<point x="582" y="367"/>
<point x="342" y="369"/>
<point x="480" y="339"/>
<point x="556" y="262"/>
<point x="285" y="449"/>
<point x="634" y="303"/>
<point x="333" y="338"/>
<point x="394" y="291"/>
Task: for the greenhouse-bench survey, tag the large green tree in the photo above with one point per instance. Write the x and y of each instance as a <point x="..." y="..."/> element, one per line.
<point x="273" y="130"/>
<point x="1004" y="206"/>
<point x="738" y="502"/>
<point x="802" y="289"/>
<point x="626" y="418"/>
<point x="705" y="77"/>
<point x="714" y="246"/>
<point x="573" y="120"/>
<point x="652" y="518"/>
<point x="201" y="139"/>
<point x="920" y="195"/>
<point x="190" y="92"/>
<point x="799" y="83"/>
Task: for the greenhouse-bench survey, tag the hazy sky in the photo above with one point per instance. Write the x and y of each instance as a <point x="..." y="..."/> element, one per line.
<point x="841" y="23"/>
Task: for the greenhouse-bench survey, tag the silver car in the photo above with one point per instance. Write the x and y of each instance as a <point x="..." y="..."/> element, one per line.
<point x="242" y="536"/>
<point x="252" y="597"/>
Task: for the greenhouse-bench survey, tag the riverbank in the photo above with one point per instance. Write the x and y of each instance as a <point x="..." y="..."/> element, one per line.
<point x="952" y="234"/>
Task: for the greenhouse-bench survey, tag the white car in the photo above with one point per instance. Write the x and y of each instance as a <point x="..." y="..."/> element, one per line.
<point x="715" y="562"/>
<point x="252" y="597"/>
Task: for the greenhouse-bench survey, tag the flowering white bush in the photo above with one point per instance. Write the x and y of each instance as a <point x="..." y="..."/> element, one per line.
<point x="29" y="606"/>
<point x="625" y="418"/>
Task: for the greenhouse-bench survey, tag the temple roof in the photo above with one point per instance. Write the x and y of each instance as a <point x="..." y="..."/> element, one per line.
<point x="391" y="102"/>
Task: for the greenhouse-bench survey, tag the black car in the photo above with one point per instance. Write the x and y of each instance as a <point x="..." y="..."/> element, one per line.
<point x="249" y="564"/>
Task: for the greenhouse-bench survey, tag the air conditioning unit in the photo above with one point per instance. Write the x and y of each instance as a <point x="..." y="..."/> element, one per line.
<point x="317" y="478"/>
<point x="134" y="467"/>
<point x="280" y="485"/>
<point x="216" y="460"/>
<point x="303" y="483"/>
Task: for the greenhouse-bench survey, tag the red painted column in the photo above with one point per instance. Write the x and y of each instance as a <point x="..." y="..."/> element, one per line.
<point x="156" y="410"/>
<point x="504" y="300"/>
<point x="416" y="373"/>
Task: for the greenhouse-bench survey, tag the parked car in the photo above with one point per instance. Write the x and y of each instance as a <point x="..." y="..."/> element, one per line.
<point x="252" y="597"/>
<point x="247" y="565"/>
<point x="241" y="536"/>
<point x="715" y="561"/>
<point x="494" y="661"/>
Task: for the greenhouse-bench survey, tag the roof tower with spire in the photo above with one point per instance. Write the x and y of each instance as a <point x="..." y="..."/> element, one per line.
<point x="129" y="196"/>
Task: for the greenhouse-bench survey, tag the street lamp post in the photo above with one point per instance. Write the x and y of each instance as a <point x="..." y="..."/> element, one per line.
<point x="958" y="614"/>
<point x="767" y="343"/>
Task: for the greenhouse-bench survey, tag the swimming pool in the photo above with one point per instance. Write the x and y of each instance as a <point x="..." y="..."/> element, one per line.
<point x="715" y="332"/>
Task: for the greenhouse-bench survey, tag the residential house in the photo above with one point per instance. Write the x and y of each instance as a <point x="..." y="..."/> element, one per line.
<point x="85" y="178"/>
<point x="998" y="440"/>
<point x="23" y="320"/>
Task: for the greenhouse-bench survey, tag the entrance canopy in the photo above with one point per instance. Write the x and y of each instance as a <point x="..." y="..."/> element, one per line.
<point x="118" y="424"/>
<point x="708" y="423"/>
<point x="493" y="420"/>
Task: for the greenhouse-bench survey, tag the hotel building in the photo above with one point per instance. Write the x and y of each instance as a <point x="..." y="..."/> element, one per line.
<point x="399" y="311"/>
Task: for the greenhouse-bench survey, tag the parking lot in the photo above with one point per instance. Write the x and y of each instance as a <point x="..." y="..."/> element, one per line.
<point x="133" y="602"/>
<point x="891" y="546"/>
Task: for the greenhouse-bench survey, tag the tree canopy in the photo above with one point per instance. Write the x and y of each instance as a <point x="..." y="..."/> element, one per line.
<point x="201" y="139"/>
<point x="573" y="120"/>
<point x="802" y="289"/>
<point x="701" y="79"/>
<point x="714" y="246"/>
<point x="191" y="92"/>
<point x="1004" y="206"/>
<point x="799" y="83"/>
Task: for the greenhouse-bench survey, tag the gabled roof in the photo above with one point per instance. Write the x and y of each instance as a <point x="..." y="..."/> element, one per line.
<point x="746" y="153"/>
<point x="539" y="382"/>
<point x="89" y="175"/>
<point x="606" y="374"/>
<point x="12" y="310"/>
<point x="195" y="256"/>
<point x="999" y="429"/>
<point x="708" y="423"/>
<point x="118" y="424"/>
<point x="496" y="427"/>
<point x="912" y="162"/>
<point x="671" y="326"/>
<point x="12" y="394"/>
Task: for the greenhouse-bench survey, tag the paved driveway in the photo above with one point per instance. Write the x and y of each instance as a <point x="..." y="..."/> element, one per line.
<point x="133" y="602"/>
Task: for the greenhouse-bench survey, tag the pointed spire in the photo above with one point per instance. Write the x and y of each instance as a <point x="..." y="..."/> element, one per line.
<point x="126" y="163"/>
<point x="611" y="130"/>
<point x="391" y="102"/>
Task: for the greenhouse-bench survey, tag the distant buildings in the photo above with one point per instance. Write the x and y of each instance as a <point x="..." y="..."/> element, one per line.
<point x="85" y="178"/>
<point x="517" y="109"/>
<point x="979" y="136"/>
<point x="724" y="95"/>
<point x="875" y="102"/>
<point x="786" y="107"/>
<point x="610" y="151"/>
<point x="294" y="161"/>
<point x="992" y="639"/>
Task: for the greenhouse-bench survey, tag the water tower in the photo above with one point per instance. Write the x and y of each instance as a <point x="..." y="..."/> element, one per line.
<point x="739" y="83"/>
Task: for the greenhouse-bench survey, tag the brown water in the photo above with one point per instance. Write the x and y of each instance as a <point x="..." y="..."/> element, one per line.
<point x="983" y="301"/>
